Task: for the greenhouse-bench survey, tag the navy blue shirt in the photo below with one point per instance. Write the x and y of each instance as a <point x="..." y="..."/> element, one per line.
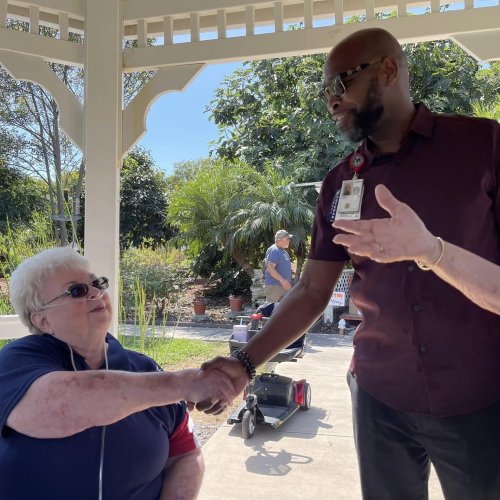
<point x="136" y="448"/>
<point x="423" y="346"/>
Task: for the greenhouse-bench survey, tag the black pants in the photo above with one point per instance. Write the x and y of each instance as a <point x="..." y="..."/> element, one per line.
<point x="395" y="450"/>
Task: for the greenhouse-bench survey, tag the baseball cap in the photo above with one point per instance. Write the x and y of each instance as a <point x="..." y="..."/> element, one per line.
<point x="282" y="234"/>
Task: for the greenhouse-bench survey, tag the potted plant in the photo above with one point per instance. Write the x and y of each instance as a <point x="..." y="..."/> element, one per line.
<point x="199" y="305"/>
<point x="235" y="302"/>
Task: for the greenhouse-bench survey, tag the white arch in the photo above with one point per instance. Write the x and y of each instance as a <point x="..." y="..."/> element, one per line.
<point x="36" y="70"/>
<point x="168" y="79"/>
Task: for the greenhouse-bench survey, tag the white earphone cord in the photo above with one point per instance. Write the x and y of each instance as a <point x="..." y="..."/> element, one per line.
<point x="103" y="431"/>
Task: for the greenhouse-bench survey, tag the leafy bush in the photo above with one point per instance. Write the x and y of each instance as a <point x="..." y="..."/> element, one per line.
<point x="213" y="264"/>
<point x="160" y="280"/>
<point x="20" y="241"/>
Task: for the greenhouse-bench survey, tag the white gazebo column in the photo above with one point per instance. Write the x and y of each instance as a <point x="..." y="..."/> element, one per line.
<point x="103" y="139"/>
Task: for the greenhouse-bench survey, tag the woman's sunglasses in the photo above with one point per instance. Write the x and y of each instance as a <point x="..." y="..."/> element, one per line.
<point x="80" y="290"/>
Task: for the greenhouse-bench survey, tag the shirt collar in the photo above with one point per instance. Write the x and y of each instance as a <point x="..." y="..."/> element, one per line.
<point x="423" y="124"/>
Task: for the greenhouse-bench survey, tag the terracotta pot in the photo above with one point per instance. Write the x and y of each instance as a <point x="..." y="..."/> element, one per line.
<point x="235" y="303"/>
<point x="199" y="305"/>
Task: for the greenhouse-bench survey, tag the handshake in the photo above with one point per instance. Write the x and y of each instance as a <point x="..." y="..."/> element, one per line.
<point x="215" y="385"/>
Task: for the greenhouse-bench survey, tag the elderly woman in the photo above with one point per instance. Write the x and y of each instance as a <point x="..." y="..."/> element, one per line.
<point x="80" y="416"/>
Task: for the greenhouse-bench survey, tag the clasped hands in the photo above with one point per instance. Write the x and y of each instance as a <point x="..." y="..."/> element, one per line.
<point x="216" y="385"/>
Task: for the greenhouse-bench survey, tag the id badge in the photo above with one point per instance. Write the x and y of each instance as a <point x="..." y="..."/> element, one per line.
<point x="351" y="196"/>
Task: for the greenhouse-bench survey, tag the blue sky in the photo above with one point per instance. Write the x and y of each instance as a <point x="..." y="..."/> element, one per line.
<point x="177" y="127"/>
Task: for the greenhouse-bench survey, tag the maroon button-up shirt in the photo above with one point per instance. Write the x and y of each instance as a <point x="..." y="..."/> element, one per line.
<point x="422" y="346"/>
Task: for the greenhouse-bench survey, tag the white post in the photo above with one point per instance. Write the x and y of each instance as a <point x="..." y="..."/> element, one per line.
<point x="3" y="13"/>
<point x="63" y="26"/>
<point x="168" y="31"/>
<point x="250" y="20"/>
<point x="34" y="20"/>
<point x="370" y="10"/>
<point x="195" y="27"/>
<point x="308" y="14"/>
<point x="103" y="139"/>
<point x="339" y="12"/>
<point x="278" y="17"/>
<point x="221" y="24"/>
<point x="142" y="33"/>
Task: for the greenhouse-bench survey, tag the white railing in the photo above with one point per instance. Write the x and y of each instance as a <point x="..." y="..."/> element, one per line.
<point x="194" y="21"/>
<point x="12" y="328"/>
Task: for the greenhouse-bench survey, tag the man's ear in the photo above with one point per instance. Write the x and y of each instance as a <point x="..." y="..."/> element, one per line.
<point x="39" y="319"/>
<point x="391" y="70"/>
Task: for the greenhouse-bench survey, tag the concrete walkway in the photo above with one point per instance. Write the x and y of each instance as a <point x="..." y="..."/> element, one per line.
<point x="310" y="457"/>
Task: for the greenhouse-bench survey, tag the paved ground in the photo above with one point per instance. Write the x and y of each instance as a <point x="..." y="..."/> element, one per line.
<point x="311" y="456"/>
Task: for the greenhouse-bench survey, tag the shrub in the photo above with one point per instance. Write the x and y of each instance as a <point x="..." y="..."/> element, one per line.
<point x="160" y="281"/>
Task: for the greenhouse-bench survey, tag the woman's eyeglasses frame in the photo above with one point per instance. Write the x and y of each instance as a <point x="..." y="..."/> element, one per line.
<point x="80" y="290"/>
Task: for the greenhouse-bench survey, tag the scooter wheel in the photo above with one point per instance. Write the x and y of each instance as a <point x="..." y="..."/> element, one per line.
<point x="307" y="397"/>
<point x="248" y="423"/>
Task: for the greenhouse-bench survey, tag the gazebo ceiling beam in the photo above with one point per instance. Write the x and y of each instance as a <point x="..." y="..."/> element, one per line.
<point x="407" y="29"/>
<point x="50" y="49"/>
<point x="135" y="9"/>
<point x="75" y="8"/>
<point x="263" y="15"/>
<point x="46" y="18"/>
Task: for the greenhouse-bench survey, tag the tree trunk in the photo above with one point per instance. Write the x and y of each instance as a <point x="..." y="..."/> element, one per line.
<point x="300" y="254"/>
<point x="242" y="262"/>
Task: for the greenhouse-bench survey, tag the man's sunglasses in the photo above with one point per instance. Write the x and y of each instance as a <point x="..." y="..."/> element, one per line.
<point x="336" y="87"/>
<point x="80" y="290"/>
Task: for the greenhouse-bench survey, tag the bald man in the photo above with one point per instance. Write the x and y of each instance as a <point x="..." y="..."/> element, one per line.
<point x="425" y="374"/>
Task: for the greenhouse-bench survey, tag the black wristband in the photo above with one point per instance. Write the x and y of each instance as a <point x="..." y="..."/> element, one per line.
<point x="246" y="362"/>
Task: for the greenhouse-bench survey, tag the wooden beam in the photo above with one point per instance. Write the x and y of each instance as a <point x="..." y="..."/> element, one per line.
<point x="75" y="8"/>
<point x="408" y="29"/>
<point x="63" y="26"/>
<point x="49" y="49"/>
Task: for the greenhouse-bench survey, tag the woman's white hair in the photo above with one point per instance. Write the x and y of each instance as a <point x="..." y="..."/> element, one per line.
<point x="29" y="278"/>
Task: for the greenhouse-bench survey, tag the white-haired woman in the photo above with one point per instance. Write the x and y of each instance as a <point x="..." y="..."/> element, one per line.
<point x="80" y="416"/>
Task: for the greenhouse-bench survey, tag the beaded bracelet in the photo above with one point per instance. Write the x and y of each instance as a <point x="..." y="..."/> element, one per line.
<point x="246" y="362"/>
<point x="426" y="267"/>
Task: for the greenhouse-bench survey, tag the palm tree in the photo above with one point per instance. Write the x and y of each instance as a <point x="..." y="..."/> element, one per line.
<point x="269" y="204"/>
<point x="234" y="208"/>
<point x="483" y="110"/>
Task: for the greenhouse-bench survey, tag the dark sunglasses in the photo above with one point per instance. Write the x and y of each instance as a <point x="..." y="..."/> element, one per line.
<point x="80" y="290"/>
<point x="336" y="87"/>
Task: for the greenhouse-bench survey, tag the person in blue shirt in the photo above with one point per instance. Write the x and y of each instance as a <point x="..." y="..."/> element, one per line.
<point x="278" y="275"/>
<point x="80" y="416"/>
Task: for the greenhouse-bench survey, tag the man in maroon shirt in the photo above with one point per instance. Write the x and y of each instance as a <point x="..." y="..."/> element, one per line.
<point x="425" y="374"/>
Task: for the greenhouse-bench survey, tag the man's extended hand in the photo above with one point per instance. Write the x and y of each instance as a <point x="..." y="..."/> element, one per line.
<point x="233" y="369"/>
<point x="402" y="236"/>
<point x="213" y="387"/>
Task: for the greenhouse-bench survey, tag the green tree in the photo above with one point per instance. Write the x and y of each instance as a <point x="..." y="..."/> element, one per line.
<point x="270" y="203"/>
<point x="30" y="114"/>
<point x="20" y="196"/>
<point x="232" y="210"/>
<point x="443" y="76"/>
<point x="483" y="110"/>
<point x="144" y="201"/>
<point x="268" y="110"/>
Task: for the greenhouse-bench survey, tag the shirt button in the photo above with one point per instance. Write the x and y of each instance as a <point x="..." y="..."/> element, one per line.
<point x="415" y="307"/>
<point x="411" y="267"/>
<point x="422" y="348"/>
